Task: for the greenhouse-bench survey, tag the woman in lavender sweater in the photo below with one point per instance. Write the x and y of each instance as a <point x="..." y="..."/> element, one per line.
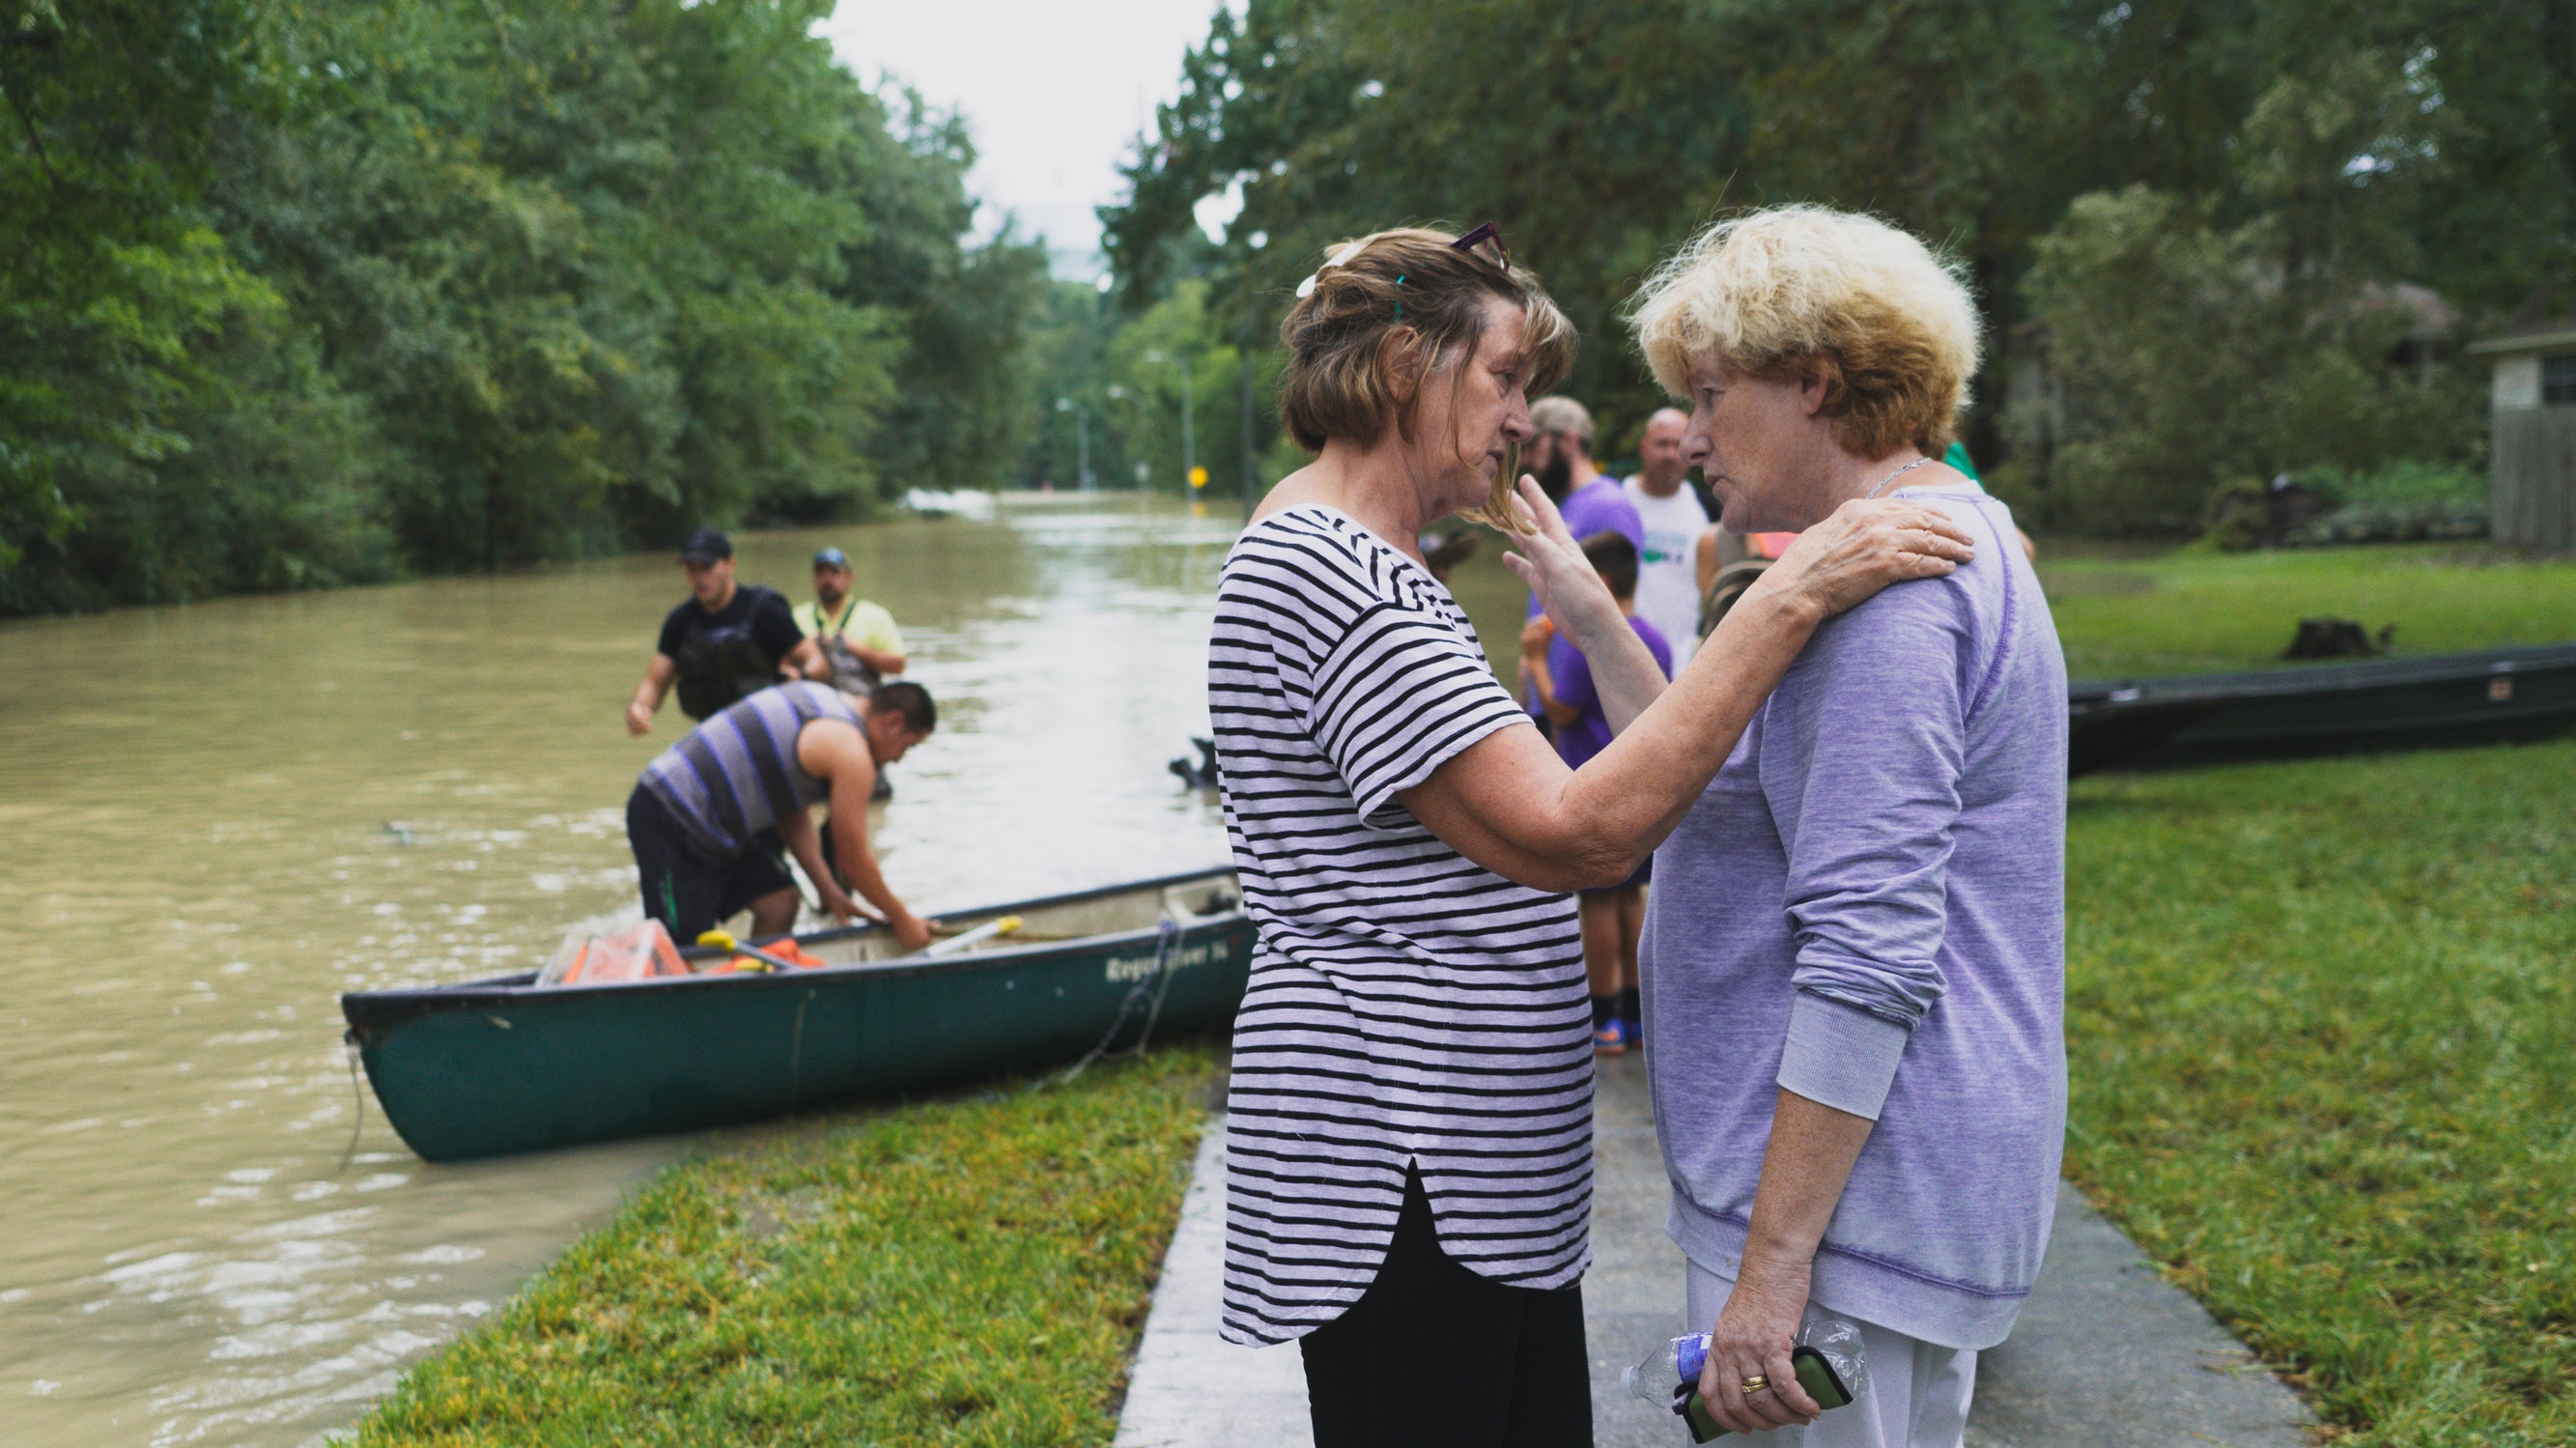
<point x="1854" y="957"/>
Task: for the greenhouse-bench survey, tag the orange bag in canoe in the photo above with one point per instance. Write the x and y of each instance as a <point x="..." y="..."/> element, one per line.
<point x="637" y="952"/>
<point x="786" y="950"/>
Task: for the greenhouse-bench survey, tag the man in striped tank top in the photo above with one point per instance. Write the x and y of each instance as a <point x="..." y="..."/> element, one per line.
<point x="698" y="811"/>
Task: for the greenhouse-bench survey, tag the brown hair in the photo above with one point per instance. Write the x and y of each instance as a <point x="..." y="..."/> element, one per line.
<point x="1398" y="304"/>
<point x="1614" y="557"/>
<point x="909" y="700"/>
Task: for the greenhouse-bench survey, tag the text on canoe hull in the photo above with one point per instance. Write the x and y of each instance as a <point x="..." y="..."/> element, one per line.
<point x="1124" y="968"/>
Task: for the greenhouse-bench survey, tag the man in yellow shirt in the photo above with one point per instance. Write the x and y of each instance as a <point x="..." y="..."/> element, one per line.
<point x="859" y="643"/>
<point x="858" y="638"/>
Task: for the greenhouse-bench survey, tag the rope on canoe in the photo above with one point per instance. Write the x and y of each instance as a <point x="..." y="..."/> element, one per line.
<point x="1166" y="940"/>
<point x="357" y="1100"/>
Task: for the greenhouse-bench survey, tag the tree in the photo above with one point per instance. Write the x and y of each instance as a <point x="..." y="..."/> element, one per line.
<point x="2189" y="354"/>
<point x="308" y="294"/>
<point x="1069" y="384"/>
<point x="969" y="401"/>
<point x="107" y="280"/>
<point x="1600" y="134"/>
<point x="1582" y="130"/>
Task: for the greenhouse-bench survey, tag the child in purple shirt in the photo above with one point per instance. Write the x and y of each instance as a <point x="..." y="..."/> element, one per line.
<point x="1555" y="674"/>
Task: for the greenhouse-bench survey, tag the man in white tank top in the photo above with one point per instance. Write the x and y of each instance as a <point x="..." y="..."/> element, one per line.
<point x="1667" y="587"/>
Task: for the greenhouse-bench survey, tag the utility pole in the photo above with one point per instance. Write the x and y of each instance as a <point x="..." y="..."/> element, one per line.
<point x="1081" y="441"/>
<point x="1189" y="435"/>
<point x="1190" y="473"/>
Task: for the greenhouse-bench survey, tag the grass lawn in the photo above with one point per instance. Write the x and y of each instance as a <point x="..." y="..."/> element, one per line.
<point x="966" y="1272"/>
<point x="2322" y="1029"/>
<point x="2121" y="612"/>
<point x="2193" y="611"/>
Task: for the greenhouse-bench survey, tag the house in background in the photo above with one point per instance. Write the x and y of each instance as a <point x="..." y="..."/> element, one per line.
<point x="2532" y="447"/>
<point x="2432" y="324"/>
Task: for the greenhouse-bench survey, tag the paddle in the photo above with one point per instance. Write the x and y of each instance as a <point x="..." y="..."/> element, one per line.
<point x="981" y="933"/>
<point x="723" y="940"/>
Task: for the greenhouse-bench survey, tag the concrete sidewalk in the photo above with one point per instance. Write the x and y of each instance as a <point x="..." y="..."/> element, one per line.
<point x="1191" y="1389"/>
<point x="2105" y="1356"/>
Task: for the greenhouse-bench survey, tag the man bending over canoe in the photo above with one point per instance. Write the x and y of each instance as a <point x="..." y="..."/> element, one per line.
<point x="697" y="812"/>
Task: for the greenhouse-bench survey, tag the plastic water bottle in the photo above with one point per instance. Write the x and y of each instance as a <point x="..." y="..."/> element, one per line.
<point x="1668" y="1375"/>
<point x="1666" y="1367"/>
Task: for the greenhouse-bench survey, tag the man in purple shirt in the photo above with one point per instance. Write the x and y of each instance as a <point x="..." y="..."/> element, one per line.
<point x="1555" y="674"/>
<point x="1560" y="457"/>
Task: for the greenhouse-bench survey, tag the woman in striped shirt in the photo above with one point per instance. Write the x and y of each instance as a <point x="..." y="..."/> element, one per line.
<point x="1409" y="1123"/>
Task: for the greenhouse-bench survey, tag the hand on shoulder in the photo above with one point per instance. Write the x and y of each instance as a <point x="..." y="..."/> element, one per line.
<point x="1864" y="546"/>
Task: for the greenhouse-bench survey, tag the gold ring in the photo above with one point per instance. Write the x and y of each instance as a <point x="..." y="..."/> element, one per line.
<point x="1756" y="1384"/>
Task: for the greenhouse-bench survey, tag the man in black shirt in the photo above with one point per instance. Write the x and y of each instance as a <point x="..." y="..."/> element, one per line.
<point x="727" y="641"/>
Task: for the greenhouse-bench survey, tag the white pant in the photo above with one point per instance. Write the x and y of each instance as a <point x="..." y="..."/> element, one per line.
<point x="1918" y="1393"/>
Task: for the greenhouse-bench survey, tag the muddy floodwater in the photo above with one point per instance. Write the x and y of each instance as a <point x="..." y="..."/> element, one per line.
<point x="215" y="819"/>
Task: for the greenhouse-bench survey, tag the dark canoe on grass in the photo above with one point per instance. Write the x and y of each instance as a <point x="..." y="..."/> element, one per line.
<point x="503" y="1065"/>
<point x="2435" y="701"/>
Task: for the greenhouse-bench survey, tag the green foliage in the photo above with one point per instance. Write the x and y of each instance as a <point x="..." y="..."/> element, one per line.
<point x="2406" y="482"/>
<point x="431" y="285"/>
<point x="1586" y="131"/>
<point x="256" y="497"/>
<point x="970" y="315"/>
<point x="2268" y="174"/>
<point x="107" y="282"/>
<point x="2316" y="1032"/>
<point x="2148" y="311"/>
<point x="2185" y="352"/>
<point x="973" y="1273"/>
<point x="2405" y="501"/>
<point x="1122" y="378"/>
<point x="1072" y="334"/>
<point x="1146" y="361"/>
<point x="2180" y="359"/>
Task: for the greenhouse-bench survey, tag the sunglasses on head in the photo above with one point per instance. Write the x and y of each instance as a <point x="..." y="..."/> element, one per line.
<point x="1485" y="241"/>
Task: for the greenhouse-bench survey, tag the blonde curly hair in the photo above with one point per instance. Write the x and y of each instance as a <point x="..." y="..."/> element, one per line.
<point x="1794" y="291"/>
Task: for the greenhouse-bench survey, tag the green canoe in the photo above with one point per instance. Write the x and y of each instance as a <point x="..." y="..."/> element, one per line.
<point x="502" y="1065"/>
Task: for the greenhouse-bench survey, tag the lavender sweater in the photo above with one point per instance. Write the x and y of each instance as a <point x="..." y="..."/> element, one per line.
<point x="1867" y="908"/>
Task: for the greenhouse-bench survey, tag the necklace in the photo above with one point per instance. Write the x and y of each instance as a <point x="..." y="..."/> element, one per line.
<point x="1892" y="477"/>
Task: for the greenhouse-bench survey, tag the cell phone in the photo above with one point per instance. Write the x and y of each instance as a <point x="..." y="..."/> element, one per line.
<point x="1814" y="1374"/>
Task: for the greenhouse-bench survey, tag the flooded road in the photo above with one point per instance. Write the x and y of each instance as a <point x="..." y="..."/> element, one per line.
<point x="214" y="819"/>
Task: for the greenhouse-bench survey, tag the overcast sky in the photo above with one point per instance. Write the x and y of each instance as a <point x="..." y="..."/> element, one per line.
<point x="1055" y="93"/>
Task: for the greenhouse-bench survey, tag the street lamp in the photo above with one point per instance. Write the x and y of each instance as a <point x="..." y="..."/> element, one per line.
<point x="1135" y="418"/>
<point x="1189" y="431"/>
<point x="1082" y="440"/>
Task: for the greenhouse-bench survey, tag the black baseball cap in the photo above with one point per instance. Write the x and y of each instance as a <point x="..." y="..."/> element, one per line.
<point x="831" y="558"/>
<point x="707" y="545"/>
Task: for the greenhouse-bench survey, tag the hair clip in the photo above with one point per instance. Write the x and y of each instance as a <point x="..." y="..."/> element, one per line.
<point x="1306" y="288"/>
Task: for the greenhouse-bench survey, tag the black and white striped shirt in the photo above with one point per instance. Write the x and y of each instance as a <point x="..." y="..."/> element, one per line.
<point x="1406" y="1004"/>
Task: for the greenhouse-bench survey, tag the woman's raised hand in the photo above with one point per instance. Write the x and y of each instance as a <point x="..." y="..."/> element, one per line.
<point x="1551" y="562"/>
<point x="1863" y="547"/>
